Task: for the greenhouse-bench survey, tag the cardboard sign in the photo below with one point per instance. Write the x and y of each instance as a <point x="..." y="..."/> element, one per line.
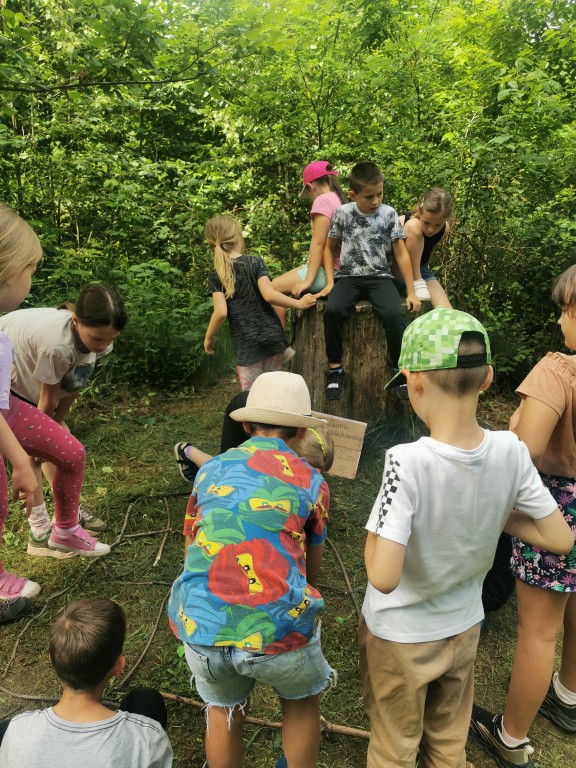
<point x="348" y="436"/>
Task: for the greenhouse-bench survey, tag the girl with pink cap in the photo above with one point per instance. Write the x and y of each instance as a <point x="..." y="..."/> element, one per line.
<point x="317" y="276"/>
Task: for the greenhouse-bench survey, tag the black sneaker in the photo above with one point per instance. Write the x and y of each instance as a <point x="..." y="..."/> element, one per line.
<point x="336" y="380"/>
<point x="563" y="715"/>
<point x="486" y="731"/>
<point x="12" y="610"/>
<point x="186" y="467"/>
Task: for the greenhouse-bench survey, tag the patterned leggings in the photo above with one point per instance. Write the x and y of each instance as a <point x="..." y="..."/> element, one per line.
<point x="42" y="437"/>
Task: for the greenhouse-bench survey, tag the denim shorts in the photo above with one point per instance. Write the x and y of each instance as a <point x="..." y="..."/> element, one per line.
<point x="319" y="281"/>
<point x="225" y="676"/>
<point x="427" y="273"/>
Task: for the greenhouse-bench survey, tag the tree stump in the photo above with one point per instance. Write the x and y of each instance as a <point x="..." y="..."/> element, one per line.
<point x="365" y="361"/>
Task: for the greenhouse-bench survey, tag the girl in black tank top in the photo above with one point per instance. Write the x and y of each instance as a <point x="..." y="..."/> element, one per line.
<point x="425" y="226"/>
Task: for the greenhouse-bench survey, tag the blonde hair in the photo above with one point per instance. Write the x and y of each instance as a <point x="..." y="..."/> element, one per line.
<point x="223" y="233"/>
<point x="19" y="245"/>
<point x="436" y="200"/>
<point x="564" y="291"/>
<point x="317" y="447"/>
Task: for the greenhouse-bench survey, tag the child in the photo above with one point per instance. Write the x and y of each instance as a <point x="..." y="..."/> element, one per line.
<point x="86" y="641"/>
<point x="241" y="290"/>
<point x="545" y="583"/>
<point x="368" y="233"/>
<point x="432" y="536"/>
<point x="55" y="353"/>
<point x="317" y="447"/>
<point x="246" y="605"/>
<point x="24" y="431"/>
<point x="317" y="276"/>
<point x="425" y="227"/>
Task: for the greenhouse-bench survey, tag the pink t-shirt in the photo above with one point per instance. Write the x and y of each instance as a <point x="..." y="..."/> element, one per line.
<point x="325" y="205"/>
<point x="553" y="381"/>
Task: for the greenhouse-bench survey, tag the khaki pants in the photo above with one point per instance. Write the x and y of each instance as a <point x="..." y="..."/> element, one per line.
<point x="418" y="697"/>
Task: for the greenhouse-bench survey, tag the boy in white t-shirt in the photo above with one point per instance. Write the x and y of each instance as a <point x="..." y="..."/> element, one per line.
<point x="432" y="535"/>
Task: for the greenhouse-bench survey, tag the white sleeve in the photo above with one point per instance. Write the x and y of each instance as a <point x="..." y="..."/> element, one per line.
<point x="392" y="513"/>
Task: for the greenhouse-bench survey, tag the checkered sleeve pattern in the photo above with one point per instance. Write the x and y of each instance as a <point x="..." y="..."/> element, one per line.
<point x="390" y="485"/>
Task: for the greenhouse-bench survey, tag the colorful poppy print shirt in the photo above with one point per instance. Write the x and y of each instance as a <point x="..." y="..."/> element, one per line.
<point x="252" y="512"/>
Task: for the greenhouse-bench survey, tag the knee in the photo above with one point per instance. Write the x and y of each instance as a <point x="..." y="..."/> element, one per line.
<point x="75" y="455"/>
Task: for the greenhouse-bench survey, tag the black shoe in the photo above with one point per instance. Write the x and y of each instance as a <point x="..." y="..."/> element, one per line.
<point x="186" y="466"/>
<point x="337" y="378"/>
<point x="12" y="610"/>
<point x="563" y="715"/>
<point x="486" y="731"/>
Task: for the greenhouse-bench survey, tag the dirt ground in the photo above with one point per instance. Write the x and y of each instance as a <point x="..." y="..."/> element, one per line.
<point x="132" y="482"/>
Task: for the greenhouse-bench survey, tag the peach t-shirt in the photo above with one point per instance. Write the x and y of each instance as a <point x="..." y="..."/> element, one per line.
<point x="553" y="381"/>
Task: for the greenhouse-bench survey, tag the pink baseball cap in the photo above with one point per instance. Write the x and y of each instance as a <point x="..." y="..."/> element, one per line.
<point x="316" y="170"/>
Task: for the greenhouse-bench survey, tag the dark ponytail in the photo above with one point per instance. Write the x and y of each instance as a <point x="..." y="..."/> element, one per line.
<point x="99" y="305"/>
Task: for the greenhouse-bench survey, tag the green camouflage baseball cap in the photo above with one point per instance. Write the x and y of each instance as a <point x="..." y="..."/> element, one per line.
<point x="431" y="342"/>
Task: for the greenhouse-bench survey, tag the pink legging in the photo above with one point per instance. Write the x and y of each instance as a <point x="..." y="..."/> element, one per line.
<point x="42" y="437"/>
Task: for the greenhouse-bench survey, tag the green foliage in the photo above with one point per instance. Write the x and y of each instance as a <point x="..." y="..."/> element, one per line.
<point x="124" y="125"/>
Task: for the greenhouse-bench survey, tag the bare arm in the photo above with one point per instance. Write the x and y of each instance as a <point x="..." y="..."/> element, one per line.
<point x="537" y="422"/>
<point x="551" y="533"/>
<point x="405" y="267"/>
<point x="320" y="228"/>
<point x="64" y="405"/>
<point x="384" y="561"/>
<point x="48" y="399"/>
<point x="52" y="404"/>
<point x="219" y="314"/>
<point x="24" y="481"/>
<point x="273" y="296"/>
<point x="414" y="245"/>
<point x="313" y="562"/>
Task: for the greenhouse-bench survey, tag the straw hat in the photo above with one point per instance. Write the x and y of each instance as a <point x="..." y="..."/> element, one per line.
<point x="278" y="398"/>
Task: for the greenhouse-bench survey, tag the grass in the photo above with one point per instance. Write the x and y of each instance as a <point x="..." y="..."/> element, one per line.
<point x="131" y="478"/>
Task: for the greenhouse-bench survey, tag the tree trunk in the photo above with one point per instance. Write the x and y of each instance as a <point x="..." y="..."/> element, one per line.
<point x="365" y="361"/>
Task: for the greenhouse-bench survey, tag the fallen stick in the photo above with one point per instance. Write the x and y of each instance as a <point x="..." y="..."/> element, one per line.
<point x="326" y="726"/>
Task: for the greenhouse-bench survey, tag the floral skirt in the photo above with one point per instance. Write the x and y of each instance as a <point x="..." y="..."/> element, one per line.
<point x="538" y="567"/>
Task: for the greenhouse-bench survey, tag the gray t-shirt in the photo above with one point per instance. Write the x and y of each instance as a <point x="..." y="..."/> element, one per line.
<point x="41" y="738"/>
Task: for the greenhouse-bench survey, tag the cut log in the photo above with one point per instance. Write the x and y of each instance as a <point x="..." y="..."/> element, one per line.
<point x="365" y="361"/>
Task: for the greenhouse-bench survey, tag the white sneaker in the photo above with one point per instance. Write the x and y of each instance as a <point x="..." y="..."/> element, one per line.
<point x="421" y="290"/>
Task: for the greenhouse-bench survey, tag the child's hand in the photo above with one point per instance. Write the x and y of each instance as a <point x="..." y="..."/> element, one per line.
<point x="307" y="301"/>
<point x="208" y="348"/>
<point x="413" y="303"/>
<point x="299" y="288"/>
<point x="24" y="484"/>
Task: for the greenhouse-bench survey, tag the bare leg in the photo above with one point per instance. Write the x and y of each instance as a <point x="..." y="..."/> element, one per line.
<point x="198" y="456"/>
<point x="437" y="294"/>
<point x="301" y="731"/>
<point x="224" y="741"/>
<point x="540" y="615"/>
<point x="567" y="673"/>
<point x="284" y="283"/>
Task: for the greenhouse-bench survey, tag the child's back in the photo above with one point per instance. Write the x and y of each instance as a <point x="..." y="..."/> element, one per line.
<point x="41" y="738"/>
<point x="447" y="506"/>
<point x="86" y="641"/>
